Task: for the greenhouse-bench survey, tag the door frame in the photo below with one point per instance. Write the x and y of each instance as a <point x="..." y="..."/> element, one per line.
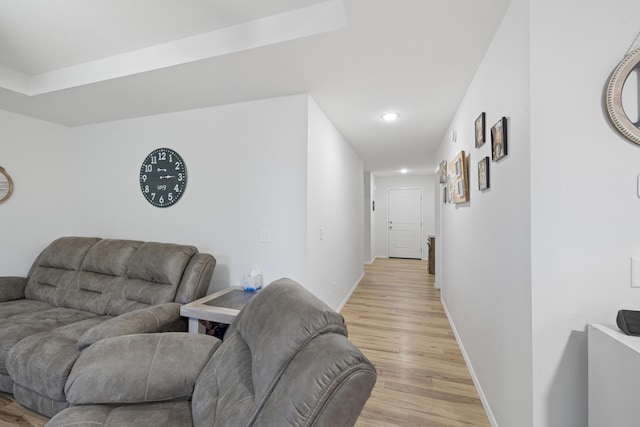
<point x="422" y="240"/>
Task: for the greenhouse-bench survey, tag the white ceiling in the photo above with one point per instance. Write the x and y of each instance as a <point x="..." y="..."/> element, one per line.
<point x="78" y="62"/>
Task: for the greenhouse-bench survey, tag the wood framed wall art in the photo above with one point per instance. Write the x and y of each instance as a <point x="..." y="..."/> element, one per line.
<point x="459" y="178"/>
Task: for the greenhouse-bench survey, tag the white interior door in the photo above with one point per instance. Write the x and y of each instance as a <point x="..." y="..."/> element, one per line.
<point x="405" y="223"/>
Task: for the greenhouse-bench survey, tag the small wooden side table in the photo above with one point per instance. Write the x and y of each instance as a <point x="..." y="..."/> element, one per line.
<point x="222" y="307"/>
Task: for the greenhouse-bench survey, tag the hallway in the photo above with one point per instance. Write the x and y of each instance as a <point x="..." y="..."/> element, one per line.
<point x="395" y="317"/>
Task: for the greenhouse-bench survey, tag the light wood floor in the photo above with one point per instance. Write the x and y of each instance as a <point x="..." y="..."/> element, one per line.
<point x="396" y="319"/>
<point x="13" y="414"/>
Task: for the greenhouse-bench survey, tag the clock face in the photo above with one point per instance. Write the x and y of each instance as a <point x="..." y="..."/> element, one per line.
<point x="163" y="177"/>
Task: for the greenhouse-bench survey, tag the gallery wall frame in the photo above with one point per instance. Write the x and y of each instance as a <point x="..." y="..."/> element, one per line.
<point x="480" y="130"/>
<point x="459" y="178"/>
<point x="499" y="143"/>
<point x="484" y="182"/>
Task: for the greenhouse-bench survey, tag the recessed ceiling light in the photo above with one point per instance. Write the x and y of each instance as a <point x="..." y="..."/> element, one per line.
<point x="404" y="170"/>
<point x="390" y="117"/>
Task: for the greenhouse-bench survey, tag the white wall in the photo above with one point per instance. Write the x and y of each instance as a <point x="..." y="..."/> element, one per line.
<point x="37" y="211"/>
<point x="380" y="218"/>
<point x="585" y="207"/>
<point x="485" y="243"/>
<point x="335" y="226"/>
<point x="246" y="165"/>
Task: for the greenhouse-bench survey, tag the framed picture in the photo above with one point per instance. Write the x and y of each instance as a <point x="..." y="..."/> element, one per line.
<point x="459" y="178"/>
<point x="483" y="174"/>
<point x="442" y="172"/>
<point x="499" y="140"/>
<point x="480" y="132"/>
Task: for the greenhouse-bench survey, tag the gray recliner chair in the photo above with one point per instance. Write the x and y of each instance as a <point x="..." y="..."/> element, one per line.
<point x="285" y="361"/>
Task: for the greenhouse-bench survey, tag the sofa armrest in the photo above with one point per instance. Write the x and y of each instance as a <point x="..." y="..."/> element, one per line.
<point x="157" y="318"/>
<point x="12" y="288"/>
<point x="139" y="368"/>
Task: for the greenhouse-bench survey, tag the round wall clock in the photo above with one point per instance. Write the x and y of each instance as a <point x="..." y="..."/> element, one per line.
<point x="6" y="185"/>
<point x="163" y="177"/>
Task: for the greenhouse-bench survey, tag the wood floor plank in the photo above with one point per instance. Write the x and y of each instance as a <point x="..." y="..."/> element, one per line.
<point x="395" y="317"/>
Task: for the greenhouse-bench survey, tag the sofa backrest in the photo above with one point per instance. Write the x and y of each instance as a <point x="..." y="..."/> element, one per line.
<point x="272" y="346"/>
<point x="111" y="276"/>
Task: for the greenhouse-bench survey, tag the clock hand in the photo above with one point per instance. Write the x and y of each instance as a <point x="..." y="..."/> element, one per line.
<point x="167" y="177"/>
<point x="161" y="170"/>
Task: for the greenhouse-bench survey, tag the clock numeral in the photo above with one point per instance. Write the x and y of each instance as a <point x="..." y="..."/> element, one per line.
<point x="161" y="200"/>
<point x="146" y="189"/>
<point x="162" y="156"/>
<point x="176" y="188"/>
<point x="153" y="196"/>
<point x="154" y="160"/>
<point x="180" y="177"/>
<point x="178" y="165"/>
<point x="148" y="168"/>
<point x="170" y="158"/>
<point x="144" y="178"/>
<point x="170" y="197"/>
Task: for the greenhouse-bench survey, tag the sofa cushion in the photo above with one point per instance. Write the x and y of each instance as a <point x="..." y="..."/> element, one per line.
<point x="153" y="275"/>
<point x="110" y="257"/>
<point x="164" y="414"/>
<point x="161" y="263"/>
<point x="40" y="404"/>
<point x="9" y="309"/>
<point x="146" y="363"/>
<point x="56" y="266"/>
<point x="42" y="362"/>
<point x="12" y="333"/>
<point x="52" y="318"/>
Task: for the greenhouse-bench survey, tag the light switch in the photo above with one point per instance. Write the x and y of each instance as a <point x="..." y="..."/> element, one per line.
<point x="265" y="235"/>
<point x="635" y="272"/>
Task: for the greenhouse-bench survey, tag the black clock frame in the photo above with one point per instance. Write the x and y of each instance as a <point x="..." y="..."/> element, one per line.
<point x="163" y="177"/>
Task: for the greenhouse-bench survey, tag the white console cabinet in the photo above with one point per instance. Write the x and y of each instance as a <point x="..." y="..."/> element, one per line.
<point x="614" y="377"/>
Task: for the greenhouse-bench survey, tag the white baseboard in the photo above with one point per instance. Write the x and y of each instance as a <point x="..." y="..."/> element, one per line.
<point x="353" y="288"/>
<point x="474" y="378"/>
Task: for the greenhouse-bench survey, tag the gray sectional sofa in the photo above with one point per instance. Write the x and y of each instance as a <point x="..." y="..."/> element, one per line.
<point x="285" y="361"/>
<point x="81" y="291"/>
